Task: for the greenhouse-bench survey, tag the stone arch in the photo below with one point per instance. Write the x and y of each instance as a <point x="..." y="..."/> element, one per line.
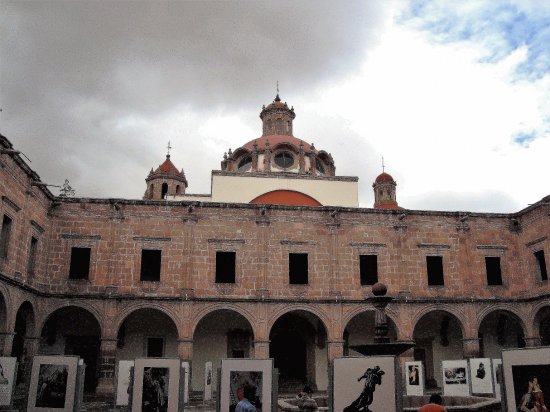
<point x="82" y="305"/>
<point x="438" y="334"/>
<point x="298" y="345"/>
<point x="5" y="319"/>
<point x="74" y="329"/>
<point x="221" y="331"/>
<point x="323" y="316"/>
<point x="499" y="328"/>
<point x="504" y="307"/>
<point x="541" y="323"/>
<point x="456" y="314"/>
<point x="205" y="311"/>
<point x="127" y="311"/>
<point x="24" y="328"/>
<point x="359" y="328"/>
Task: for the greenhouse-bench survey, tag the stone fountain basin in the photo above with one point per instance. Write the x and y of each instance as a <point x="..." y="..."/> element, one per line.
<point x="455" y="403"/>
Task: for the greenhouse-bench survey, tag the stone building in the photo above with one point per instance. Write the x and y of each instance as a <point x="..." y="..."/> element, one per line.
<point x="277" y="261"/>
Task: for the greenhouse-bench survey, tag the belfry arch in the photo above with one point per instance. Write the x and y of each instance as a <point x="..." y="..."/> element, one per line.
<point x="299" y="350"/>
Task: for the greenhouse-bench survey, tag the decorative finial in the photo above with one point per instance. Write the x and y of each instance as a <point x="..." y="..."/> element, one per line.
<point x="168" y="148"/>
<point x="277" y="86"/>
<point x="383" y="165"/>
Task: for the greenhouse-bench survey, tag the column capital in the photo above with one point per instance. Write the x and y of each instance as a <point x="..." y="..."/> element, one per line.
<point x="532" y="341"/>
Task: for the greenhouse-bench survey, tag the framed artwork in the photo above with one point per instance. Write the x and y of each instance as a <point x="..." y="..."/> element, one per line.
<point x="481" y="376"/>
<point x="526" y="378"/>
<point x="8" y="374"/>
<point x="53" y="384"/>
<point x="366" y="384"/>
<point x="414" y="378"/>
<point x="455" y="377"/>
<point x="245" y="380"/>
<point x="156" y="386"/>
<point x="497" y="377"/>
<point x="123" y="382"/>
<point x="208" y="381"/>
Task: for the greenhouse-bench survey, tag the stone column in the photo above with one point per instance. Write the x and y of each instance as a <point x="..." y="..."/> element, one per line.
<point x="185" y="349"/>
<point x="261" y="349"/>
<point x="532" y="341"/>
<point x="335" y="349"/>
<point x="31" y="349"/>
<point x="107" y="366"/>
<point x="470" y="347"/>
<point x="7" y="339"/>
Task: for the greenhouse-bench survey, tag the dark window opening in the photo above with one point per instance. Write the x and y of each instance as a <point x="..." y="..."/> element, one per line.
<point x="5" y="236"/>
<point x="319" y="167"/>
<point x="542" y="264"/>
<point x="80" y="263"/>
<point x="297" y="268"/>
<point x="494" y="274"/>
<point x="32" y="255"/>
<point x="150" y="265"/>
<point x="164" y="190"/>
<point x="434" y="266"/>
<point x="368" y="269"/>
<point x="245" y="164"/>
<point x="225" y="267"/>
<point x="155" y="347"/>
<point x="178" y="189"/>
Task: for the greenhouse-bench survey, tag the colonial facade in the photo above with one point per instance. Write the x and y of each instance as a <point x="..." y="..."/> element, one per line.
<point x="277" y="261"/>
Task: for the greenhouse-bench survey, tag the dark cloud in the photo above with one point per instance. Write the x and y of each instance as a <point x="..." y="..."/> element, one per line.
<point x="71" y="72"/>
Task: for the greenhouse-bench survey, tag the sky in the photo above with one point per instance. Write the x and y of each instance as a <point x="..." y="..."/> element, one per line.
<point x="455" y="96"/>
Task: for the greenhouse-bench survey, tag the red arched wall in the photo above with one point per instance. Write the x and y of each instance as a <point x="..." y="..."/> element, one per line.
<point x="286" y="197"/>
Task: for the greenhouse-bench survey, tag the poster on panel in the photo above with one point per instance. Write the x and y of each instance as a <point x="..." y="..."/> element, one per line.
<point x="481" y="376"/>
<point x="497" y="378"/>
<point x="8" y="373"/>
<point x="208" y="381"/>
<point x="53" y="384"/>
<point x="123" y="382"/>
<point x="455" y="378"/>
<point x="365" y="384"/>
<point x="414" y="378"/>
<point x="156" y="385"/>
<point x="246" y="381"/>
<point x="526" y="378"/>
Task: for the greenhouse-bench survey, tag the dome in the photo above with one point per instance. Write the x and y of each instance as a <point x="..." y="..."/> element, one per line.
<point x="275" y="140"/>
<point x="168" y="168"/>
<point x="384" y="178"/>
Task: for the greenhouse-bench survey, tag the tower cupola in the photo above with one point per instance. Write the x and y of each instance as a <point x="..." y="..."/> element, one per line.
<point x="165" y="181"/>
<point x="277" y="118"/>
<point x="385" y="192"/>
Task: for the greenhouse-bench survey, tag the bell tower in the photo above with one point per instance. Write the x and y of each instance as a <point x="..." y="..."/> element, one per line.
<point x="165" y="181"/>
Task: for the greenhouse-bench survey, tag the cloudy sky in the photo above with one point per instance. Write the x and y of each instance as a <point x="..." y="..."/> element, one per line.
<point x="454" y="95"/>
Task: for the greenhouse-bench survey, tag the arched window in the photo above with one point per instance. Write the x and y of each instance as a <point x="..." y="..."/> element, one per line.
<point x="279" y="125"/>
<point x="178" y="189"/>
<point x="164" y="190"/>
<point x="244" y="164"/>
<point x="151" y="190"/>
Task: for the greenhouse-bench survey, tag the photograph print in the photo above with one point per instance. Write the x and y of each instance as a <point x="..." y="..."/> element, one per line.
<point x="245" y="391"/>
<point x="364" y="384"/>
<point x="52" y="386"/>
<point x="455" y="378"/>
<point x="155" y="389"/>
<point x="246" y="385"/>
<point x="531" y="383"/>
<point x="414" y="379"/>
<point x="481" y="375"/>
<point x="526" y="374"/>
<point x="8" y="367"/>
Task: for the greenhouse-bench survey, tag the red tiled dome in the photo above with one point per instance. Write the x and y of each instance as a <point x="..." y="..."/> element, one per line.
<point x="276" y="139"/>
<point x="168" y="168"/>
<point x="384" y="178"/>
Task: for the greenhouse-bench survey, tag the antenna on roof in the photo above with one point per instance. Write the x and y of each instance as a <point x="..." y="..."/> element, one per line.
<point x="168" y="147"/>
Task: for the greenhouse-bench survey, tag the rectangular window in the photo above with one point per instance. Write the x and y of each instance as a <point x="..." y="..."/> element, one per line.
<point x="32" y="255"/>
<point x="297" y="268"/>
<point x="494" y="275"/>
<point x="5" y="236"/>
<point x="80" y="263"/>
<point x="155" y="347"/>
<point x="150" y="265"/>
<point x="225" y="267"/>
<point x="434" y="266"/>
<point x="368" y="269"/>
<point x="542" y="264"/>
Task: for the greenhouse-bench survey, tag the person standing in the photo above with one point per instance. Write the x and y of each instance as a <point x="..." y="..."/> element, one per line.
<point x="434" y="404"/>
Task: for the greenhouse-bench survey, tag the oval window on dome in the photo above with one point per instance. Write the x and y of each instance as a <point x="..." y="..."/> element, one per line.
<point x="284" y="160"/>
<point x="245" y="164"/>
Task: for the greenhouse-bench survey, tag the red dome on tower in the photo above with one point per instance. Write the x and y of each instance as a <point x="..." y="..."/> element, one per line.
<point x="384" y="178"/>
